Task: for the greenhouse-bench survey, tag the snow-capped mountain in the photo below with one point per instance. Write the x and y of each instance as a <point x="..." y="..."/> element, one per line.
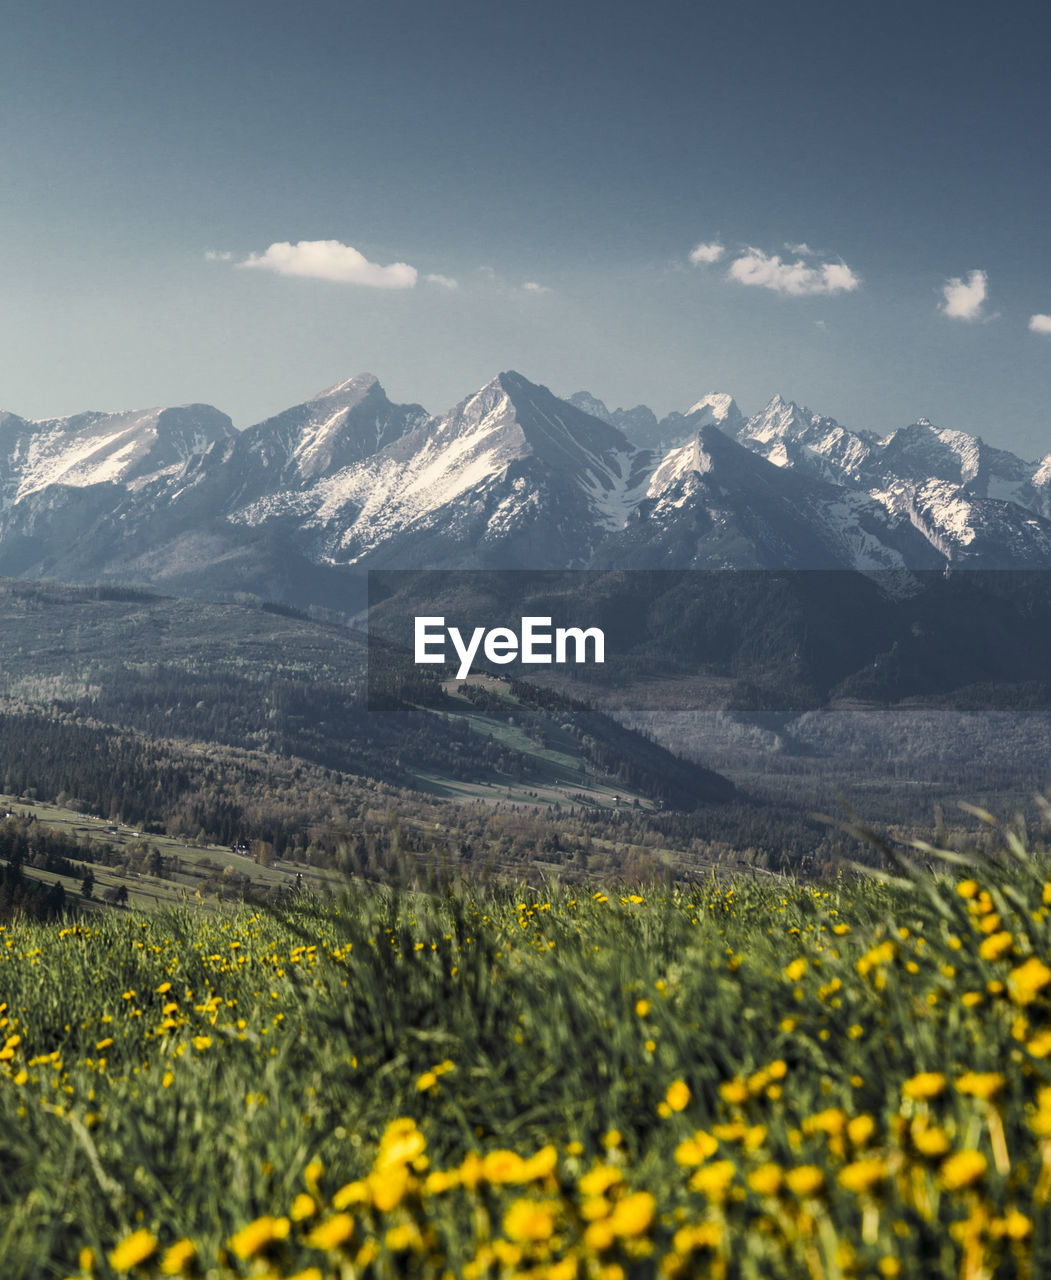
<point x="975" y="504"/>
<point x="513" y="476"/>
<point x="642" y="428"/>
<point x="791" y="436"/>
<point x="714" y="504"/>
<point x="95" y="448"/>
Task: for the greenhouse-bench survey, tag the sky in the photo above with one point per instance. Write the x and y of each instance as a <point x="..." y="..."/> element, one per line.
<point x="242" y="202"/>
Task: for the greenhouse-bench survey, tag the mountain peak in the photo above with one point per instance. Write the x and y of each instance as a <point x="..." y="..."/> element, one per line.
<point x="719" y="408"/>
<point x="348" y="393"/>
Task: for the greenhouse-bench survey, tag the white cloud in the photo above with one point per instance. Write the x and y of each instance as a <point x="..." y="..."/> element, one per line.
<point x="215" y="255"/>
<point x="331" y="260"/>
<point x="767" y="271"/>
<point x="445" y="282"/>
<point x="710" y="252"/>
<point x="531" y="286"/>
<point x="964" y="298"/>
<point x="802" y="250"/>
<point x="1040" y="324"/>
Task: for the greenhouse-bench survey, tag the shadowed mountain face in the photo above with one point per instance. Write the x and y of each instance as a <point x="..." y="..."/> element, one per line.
<point x="511" y="477"/>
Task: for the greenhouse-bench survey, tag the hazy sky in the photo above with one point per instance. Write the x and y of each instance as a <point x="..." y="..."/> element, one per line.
<point x="242" y="202"/>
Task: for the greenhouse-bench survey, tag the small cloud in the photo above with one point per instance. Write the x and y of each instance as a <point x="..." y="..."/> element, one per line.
<point x="1040" y="324"/>
<point x="444" y="282"/>
<point x="800" y="250"/>
<point x="331" y="260"/>
<point x="819" y="324"/>
<point x="531" y="286"/>
<point x="767" y="271"/>
<point x="710" y="252"/>
<point x="215" y="255"/>
<point x="963" y="299"/>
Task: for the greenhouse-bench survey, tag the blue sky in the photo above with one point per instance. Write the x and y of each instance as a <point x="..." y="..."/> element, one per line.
<point x="244" y="202"/>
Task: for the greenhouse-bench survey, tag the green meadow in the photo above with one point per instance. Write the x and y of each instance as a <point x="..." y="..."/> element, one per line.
<point x="734" y="1078"/>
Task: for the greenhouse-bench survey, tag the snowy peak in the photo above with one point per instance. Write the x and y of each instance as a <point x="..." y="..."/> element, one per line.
<point x="514" y="421"/>
<point x="119" y="448"/>
<point x="336" y="428"/>
<point x="709" y="450"/>
<point x="587" y="403"/>
<point x="716" y="408"/>
<point x="790" y="435"/>
<point x="922" y="451"/>
<point x="348" y="393"/>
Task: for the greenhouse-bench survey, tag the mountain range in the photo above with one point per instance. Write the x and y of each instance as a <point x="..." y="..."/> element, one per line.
<point x="512" y="477"/>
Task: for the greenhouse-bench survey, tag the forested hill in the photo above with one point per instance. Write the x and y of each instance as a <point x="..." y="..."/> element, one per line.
<point x="276" y="682"/>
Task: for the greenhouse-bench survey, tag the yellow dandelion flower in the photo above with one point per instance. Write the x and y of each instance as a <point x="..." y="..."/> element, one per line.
<point x="980" y="1084"/>
<point x="805" y="1180"/>
<point x="542" y="1165"/>
<point x="678" y="1095"/>
<point x="309" y="1273"/>
<point x="962" y="1169"/>
<point x="595" y="1207"/>
<point x="527" y="1221"/>
<point x="778" y="1069"/>
<point x="503" y="1168"/>
<point x="794" y="971"/>
<point x="924" y="1086"/>
<point x="406" y="1235"/>
<point x="86" y="1258"/>
<point x="257" y="1235"/>
<point x="970" y="999"/>
<point x="352" y="1193"/>
<point x="401" y="1143"/>
<point x="133" y="1249"/>
<point x="597" y="1181"/>
<point x="426" y="1081"/>
<point x="705" y="1235"/>
<point x="766" y="1179"/>
<point x="642" y="1008"/>
<point x="1040" y="1045"/>
<point x="1026" y="982"/>
<point x="598" y="1236"/>
<point x="832" y="1122"/>
<point x="633" y="1215"/>
<point x="930" y="1141"/>
<point x="200" y="1043"/>
<point x="860" y="1129"/>
<point x="303" y="1207"/>
<point x="696" y="1150"/>
<point x="734" y="1091"/>
<point x="1015" y="1225"/>
<point x="441" y="1180"/>
<point x="862" y="1175"/>
<point x="388" y="1186"/>
<point x="996" y="945"/>
<point x="713" y="1180"/>
<point x="178" y="1257"/>
<point x="968" y="888"/>
<point x="331" y="1233"/>
<point x="1040" y="1123"/>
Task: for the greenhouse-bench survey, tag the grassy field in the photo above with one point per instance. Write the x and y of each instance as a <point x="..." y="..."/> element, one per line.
<point x="197" y="863"/>
<point x="761" y="1078"/>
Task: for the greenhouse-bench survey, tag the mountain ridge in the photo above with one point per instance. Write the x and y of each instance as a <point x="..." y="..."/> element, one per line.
<point x="513" y="476"/>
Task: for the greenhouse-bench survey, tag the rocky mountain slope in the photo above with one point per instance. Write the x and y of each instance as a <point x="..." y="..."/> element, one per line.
<point x="512" y="477"/>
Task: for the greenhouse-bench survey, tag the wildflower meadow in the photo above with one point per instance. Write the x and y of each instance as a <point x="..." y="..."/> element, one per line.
<point x="750" y="1078"/>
